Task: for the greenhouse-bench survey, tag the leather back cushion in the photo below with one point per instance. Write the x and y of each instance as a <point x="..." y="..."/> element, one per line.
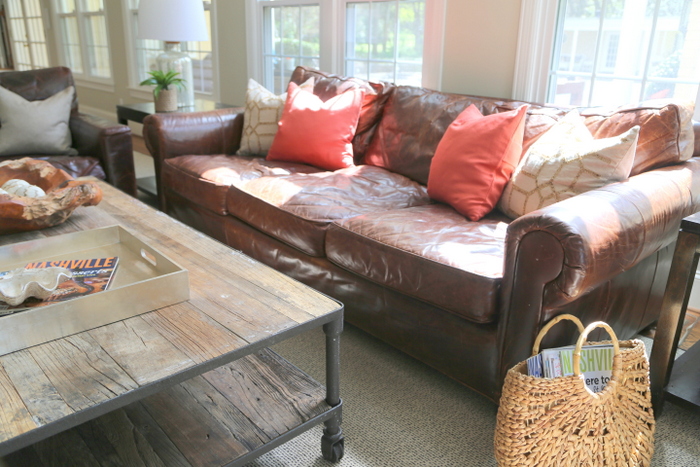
<point x="415" y="120"/>
<point x="376" y="94"/>
<point x="39" y="84"/>
<point x="665" y="137"/>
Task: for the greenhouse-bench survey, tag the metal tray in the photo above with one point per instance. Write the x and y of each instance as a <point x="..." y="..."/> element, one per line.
<point x="144" y="280"/>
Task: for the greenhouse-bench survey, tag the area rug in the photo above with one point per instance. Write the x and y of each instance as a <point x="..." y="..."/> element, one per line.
<point x="400" y="413"/>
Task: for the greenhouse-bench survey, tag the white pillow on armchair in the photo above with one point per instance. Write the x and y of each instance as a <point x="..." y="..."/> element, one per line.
<point x="35" y="127"/>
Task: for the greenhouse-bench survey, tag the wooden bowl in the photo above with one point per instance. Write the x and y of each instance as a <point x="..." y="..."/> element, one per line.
<point x="63" y="195"/>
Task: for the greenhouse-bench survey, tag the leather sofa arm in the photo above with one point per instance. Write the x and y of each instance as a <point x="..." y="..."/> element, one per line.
<point x="199" y="133"/>
<point x="176" y="134"/>
<point x="558" y="253"/>
<point x="110" y="143"/>
<point x="611" y="229"/>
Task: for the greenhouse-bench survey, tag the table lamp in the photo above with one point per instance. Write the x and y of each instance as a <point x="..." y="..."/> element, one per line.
<point x="174" y="21"/>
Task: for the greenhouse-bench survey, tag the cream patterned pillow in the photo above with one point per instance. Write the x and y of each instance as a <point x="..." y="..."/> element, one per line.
<point x="263" y="110"/>
<point x="565" y="162"/>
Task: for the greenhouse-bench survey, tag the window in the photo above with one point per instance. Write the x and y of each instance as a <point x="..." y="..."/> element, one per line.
<point x="384" y="41"/>
<point x="27" y="34"/>
<point x="378" y="39"/>
<point x="145" y="52"/>
<point x="83" y="37"/>
<point x="291" y="38"/>
<point x="608" y="52"/>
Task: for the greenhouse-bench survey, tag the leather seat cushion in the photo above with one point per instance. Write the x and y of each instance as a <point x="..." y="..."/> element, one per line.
<point x="75" y="166"/>
<point x="205" y="180"/>
<point x="431" y="253"/>
<point x="298" y="208"/>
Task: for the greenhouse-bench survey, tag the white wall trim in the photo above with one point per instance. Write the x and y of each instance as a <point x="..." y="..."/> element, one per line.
<point x="91" y="84"/>
<point x="136" y="128"/>
<point x="216" y="90"/>
<point x="538" y="20"/>
<point x="253" y="32"/>
<point x="129" y="43"/>
<point x="86" y="109"/>
<point x="141" y="92"/>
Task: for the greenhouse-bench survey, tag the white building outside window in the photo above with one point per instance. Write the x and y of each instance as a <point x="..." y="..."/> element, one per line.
<point x="83" y="38"/>
<point x="608" y="52"/>
<point x="145" y="51"/>
<point x="381" y="40"/>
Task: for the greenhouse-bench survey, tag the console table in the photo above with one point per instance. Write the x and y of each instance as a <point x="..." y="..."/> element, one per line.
<point x="679" y="380"/>
<point x="138" y="111"/>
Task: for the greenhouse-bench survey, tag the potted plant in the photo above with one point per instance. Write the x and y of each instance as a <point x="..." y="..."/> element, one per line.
<point x="165" y="92"/>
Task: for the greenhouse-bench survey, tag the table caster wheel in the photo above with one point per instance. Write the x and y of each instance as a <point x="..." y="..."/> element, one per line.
<point x="333" y="447"/>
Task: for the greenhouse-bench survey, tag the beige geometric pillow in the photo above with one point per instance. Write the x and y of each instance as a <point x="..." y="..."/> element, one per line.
<point x="565" y="162"/>
<point x="263" y="110"/>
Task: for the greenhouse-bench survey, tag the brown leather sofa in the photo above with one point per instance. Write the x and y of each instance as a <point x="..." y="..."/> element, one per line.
<point x="104" y="148"/>
<point x="467" y="298"/>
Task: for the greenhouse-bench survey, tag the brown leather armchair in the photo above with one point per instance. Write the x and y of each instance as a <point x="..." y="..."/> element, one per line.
<point x="104" y="148"/>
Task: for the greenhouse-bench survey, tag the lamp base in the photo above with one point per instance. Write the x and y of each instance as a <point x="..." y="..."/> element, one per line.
<point x="173" y="59"/>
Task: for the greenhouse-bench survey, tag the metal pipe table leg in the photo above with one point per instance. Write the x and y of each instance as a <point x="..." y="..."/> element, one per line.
<point x="333" y="441"/>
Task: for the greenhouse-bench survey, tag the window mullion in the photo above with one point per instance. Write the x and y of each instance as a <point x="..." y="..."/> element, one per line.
<point x="82" y="37"/>
<point x="647" y="62"/>
<point x="396" y="43"/>
<point x="369" y="39"/>
<point x="32" y="63"/>
<point x="596" y="54"/>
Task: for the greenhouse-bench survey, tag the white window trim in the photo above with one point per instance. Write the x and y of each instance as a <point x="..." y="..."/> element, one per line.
<point x="434" y="43"/>
<point x="129" y="42"/>
<point x="216" y="85"/>
<point x="538" y="22"/>
<point x="82" y="79"/>
<point x="141" y="92"/>
<point x="332" y="48"/>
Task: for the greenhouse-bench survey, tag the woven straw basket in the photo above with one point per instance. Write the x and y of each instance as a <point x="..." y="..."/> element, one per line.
<point x="560" y="422"/>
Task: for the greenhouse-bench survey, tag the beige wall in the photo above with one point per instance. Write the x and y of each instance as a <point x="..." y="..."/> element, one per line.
<point x="480" y="42"/>
<point x="479" y="52"/>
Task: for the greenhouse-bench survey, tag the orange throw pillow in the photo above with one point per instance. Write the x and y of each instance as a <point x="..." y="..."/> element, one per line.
<point x="315" y="132"/>
<point x="475" y="159"/>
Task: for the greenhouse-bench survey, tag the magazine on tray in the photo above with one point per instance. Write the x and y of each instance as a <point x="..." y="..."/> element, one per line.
<point x="89" y="276"/>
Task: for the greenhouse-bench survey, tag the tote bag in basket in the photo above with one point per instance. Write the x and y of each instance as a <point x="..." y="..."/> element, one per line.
<point x="560" y="422"/>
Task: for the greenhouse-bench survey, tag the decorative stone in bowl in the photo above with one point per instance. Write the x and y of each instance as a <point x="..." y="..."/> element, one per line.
<point x="23" y="207"/>
<point x="19" y="284"/>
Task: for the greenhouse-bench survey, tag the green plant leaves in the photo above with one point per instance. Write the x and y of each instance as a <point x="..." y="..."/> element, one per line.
<point x="162" y="81"/>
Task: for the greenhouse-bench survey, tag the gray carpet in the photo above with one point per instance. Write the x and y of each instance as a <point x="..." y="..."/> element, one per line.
<point x="400" y="413"/>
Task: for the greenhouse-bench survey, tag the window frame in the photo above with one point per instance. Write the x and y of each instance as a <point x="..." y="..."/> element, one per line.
<point x="84" y="78"/>
<point x="539" y="20"/>
<point x="332" y="46"/>
<point x="140" y="92"/>
<point x="25" y="19"/>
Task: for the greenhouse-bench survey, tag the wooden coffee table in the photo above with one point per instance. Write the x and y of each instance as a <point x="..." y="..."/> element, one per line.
<point x="188" y="384"/>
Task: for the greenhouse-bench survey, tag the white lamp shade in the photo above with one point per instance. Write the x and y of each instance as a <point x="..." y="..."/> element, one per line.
<point x="172" y="20"/>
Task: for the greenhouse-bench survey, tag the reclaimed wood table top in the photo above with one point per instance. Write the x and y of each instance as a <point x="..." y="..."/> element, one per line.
<point x="237" y="307"/>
